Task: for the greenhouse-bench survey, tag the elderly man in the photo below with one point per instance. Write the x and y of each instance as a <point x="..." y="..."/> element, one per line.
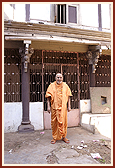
<point x="58" y="94"/>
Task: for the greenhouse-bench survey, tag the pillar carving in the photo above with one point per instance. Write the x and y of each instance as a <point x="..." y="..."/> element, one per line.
<point x="26" y="53"/>
<point x="93" y="59"/>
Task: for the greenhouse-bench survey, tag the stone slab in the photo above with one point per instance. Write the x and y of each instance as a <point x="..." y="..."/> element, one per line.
<point x="70" y="156"/>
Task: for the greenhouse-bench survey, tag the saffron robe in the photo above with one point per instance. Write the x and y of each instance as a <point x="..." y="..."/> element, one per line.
<point x="59" y="94"/>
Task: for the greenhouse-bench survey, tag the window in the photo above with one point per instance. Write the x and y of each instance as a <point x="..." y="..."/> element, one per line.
<point x="72" y="14"/>
<point x="61" y="14"/>
<point x="66" y="14"/>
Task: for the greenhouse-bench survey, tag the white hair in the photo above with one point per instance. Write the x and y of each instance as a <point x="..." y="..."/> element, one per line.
<point x="58" y="74"/>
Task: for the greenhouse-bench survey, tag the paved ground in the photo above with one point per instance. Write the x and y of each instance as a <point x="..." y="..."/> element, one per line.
<point x="35" y="148"/>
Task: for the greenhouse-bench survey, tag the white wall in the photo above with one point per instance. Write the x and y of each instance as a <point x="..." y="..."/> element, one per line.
<point x="105" y="16"/>
<point x="40" y="11"/>
<point x="8" y="12"/>
<point x="16" y="14"/>
<point x="19" y="13"/>
<point x="102" y="122"/>
<point x="36" y="115"/>
<point x="13" y="116"/>
<point x="85" y="106"/>
<point x="89" y="14"/>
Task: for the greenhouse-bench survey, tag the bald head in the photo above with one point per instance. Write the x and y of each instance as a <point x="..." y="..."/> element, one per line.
<point x="59" y="78"/>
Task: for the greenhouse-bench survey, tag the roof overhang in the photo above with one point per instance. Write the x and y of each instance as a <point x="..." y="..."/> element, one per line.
<point x="66" y="38"/>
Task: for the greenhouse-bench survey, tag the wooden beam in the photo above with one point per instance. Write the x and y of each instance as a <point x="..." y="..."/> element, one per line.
<point x="45" y="45"/>
<point x="49" y="45"/>
<point x="106" y="52"/>
<point x="36" y="33"/>
<point x="56" y="28"/>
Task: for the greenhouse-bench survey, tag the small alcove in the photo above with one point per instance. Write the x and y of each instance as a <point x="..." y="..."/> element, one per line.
<point x="103" y="100"/>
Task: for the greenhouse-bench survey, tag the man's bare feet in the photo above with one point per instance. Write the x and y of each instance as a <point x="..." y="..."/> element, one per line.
<point x="66" y="140"/>
<point x="53" y="141"/>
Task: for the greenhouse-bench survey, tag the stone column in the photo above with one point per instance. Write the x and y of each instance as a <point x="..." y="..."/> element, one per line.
<point x="25" y="53"/>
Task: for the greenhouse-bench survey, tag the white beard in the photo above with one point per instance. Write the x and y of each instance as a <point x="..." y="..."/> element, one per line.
<point x="59" y="82"/>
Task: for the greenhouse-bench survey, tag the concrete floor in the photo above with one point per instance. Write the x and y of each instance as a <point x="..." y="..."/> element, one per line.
<point x="42" y="152"/>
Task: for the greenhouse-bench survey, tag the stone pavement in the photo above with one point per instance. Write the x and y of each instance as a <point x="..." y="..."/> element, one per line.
<point x="40" y="151"/>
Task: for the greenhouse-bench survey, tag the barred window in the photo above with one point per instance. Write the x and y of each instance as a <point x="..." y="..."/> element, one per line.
<point x="103" y="72"/>
<point x="12" y="75"/>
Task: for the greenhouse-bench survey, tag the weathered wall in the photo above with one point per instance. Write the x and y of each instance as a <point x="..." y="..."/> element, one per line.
<point x="97" y="122"/>
<point x="96" y="104"/>
<point x="85" y="106"/>
<point x="13" y="116"/>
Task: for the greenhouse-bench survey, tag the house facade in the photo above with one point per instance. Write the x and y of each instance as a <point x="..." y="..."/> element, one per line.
<point x="44" y="39"/>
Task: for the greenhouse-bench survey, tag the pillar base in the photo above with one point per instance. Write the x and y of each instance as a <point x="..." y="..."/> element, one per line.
<point x="26" y="128"/>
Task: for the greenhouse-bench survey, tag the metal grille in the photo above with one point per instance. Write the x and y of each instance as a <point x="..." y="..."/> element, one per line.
<point x="36" y="57"/>
<point x="84" y="76"/>
<point x="36" y="76"/>
<point x="35" y="82"/>
<point x="103" y="72"/>
<point x="54" y="62"/>
<point x="59" y="57"/>
<point x="50" y="71"/>
<point x="12" y="75"/>
<point x="70" y="77"/>
<point x="43" y="67"/>
<point x="65" y="63"/>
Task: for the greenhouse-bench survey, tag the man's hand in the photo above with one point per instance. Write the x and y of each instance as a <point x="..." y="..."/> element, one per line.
<point x="69" y="106"/>
<point x="48" y="105"/>
<point x="69" y="109"/>
<point x="49" y="110"/>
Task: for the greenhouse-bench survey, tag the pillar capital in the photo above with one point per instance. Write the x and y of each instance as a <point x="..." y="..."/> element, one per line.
<point x="93" y="59"/>
<point x="26" y="53"/>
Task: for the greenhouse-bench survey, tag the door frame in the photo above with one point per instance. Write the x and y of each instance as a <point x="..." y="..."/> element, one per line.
<point x="46" y="115"/>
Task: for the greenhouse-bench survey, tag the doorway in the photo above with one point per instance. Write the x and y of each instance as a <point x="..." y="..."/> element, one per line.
<point x="70" y="72"/>
<point x="43" y="69"/>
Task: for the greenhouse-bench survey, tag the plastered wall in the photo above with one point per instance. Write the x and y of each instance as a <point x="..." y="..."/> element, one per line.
<point x="96" y="94"/>
<point x="12" y="116"/>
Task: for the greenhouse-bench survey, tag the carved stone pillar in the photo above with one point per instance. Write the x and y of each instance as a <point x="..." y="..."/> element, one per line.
<point x="25" y="53"/>
<point x="93" y="60"/>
